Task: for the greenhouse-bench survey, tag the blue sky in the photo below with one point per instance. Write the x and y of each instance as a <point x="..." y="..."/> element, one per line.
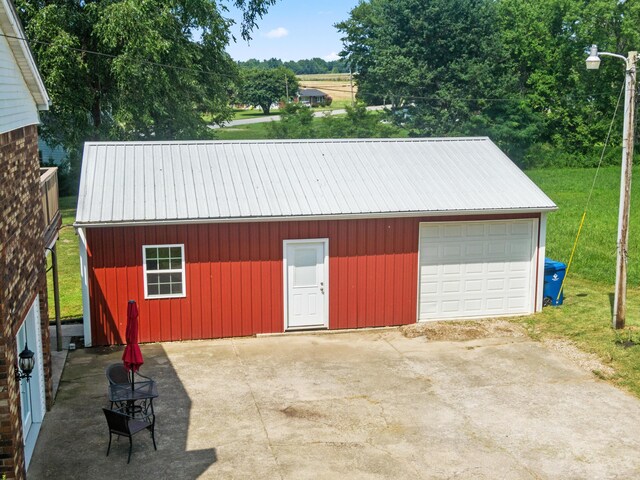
<point x="293" y="30"/>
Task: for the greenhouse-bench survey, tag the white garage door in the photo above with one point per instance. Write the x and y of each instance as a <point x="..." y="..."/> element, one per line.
<point x="477" y="269"/>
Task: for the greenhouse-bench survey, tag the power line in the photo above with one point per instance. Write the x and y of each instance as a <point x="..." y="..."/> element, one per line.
<point x="109" y="55"/>
<point x="418" y="97"/>
<point x="222" y="74"/>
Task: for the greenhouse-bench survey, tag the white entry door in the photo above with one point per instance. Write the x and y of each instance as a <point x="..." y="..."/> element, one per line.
<point x="306" y="284"/>
<point x="32" y="393"/>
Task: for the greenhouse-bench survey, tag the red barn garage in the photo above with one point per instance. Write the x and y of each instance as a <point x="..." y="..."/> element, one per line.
<point x="220" y="239"/>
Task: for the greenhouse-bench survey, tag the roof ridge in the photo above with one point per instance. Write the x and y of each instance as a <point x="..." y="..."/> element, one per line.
<point x="291" y="141"/>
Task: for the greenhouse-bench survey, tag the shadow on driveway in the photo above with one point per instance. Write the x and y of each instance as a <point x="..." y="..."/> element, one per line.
<point x="74" y="436"/>
<point x="361" y="405"/>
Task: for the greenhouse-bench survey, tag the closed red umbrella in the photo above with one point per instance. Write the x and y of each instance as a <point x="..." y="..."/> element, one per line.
<point x="132" y="356"/>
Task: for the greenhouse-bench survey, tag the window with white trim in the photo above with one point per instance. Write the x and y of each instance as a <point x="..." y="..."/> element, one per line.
<point x="163" y="271"/>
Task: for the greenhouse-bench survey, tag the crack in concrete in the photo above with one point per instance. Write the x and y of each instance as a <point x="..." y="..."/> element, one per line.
<point x="255" y="402"/>
<point x="471" y="427"/>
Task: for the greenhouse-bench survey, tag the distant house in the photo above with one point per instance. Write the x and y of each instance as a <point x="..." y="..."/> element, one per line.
<point x="29" y="221"/>
<point x="312" y="97"/>
<point x="224" y="239"/>
<point x="51" y="155"/>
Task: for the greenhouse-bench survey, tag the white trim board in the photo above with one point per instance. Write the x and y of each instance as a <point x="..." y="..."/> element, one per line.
<point x="84" y="278"/>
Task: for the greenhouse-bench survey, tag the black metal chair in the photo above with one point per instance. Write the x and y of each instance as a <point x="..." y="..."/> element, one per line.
<point x="118" y="375"/>
<point x="125" y="425"/>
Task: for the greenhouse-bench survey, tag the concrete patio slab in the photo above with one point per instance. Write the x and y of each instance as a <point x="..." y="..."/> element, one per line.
<point x="371" y="404"/>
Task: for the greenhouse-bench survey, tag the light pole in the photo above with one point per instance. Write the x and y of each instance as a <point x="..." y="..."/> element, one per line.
<point x="593" y="63"/>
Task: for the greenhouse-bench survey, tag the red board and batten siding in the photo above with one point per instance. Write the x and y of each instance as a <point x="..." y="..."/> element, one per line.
<point x="234" y="277"/>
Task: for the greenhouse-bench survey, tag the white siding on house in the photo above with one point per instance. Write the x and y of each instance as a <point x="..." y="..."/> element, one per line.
<point x="17" y="106"/>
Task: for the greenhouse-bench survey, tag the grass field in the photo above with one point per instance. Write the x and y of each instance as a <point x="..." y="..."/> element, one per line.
<point x="324" y="77"/>
<point x="68" y="265"/>
<point x="340" y="91"/>
<point x="336" y="85"/>
<point x="252" y="131"/>
<point x="585" y="320"/>
<point x="596" y="252"/>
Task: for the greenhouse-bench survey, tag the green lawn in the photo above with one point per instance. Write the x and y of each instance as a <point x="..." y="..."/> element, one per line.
<point x="585" y="317"/>
<point x="585" y="320"/>
<point x="596" y="252"/>
<point x="253" y="113"/>
<point x="68" y="265"/>
<point x="253" y="131"/>
<point x="241" y="114"/>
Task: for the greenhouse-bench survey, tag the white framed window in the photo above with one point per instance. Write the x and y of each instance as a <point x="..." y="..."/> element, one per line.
<point x="164" y="273"/>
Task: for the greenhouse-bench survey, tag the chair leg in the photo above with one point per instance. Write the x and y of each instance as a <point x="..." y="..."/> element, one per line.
<point x="109" y="447"/>
<point x="130" y="447"/>
<point x="153" y="436"/>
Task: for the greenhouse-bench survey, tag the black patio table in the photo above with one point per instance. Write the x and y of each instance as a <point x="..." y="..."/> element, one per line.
<point x="137" y="400"/>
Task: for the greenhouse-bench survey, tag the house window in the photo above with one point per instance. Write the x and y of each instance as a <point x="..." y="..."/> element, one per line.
<point x="163" y="271"/>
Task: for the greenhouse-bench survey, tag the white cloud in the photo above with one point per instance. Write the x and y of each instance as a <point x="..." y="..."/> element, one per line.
<point x="331" y="57"/>
<point x="277" y="33"/>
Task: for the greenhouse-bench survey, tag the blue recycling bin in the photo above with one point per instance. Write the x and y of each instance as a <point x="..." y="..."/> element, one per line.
<point x="554" y="273"/>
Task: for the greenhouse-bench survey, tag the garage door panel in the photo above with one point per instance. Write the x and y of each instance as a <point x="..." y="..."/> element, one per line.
<point x="452" y="251"/>
<point x="476" y="269"/>
<point x="450" y="306"/>
<point x="496" y="284"/>
<point x="472" y="286"/>
<point x="516" y="283"/>
<point x="495" y="304"/>
<point x="475" y="249"/>
<point x="473" y="305"/>
<point x="475" y="230"/>
<point x="496" y="267"/>
<point x="451" y="287"/>
<point x="520" y="249"/>
<point x="523" y="228"/>
<point x="452" y="269"/>
<point x="430" y="287"/>
<point x="498" y="229"/>
<point x="452" y="230"/>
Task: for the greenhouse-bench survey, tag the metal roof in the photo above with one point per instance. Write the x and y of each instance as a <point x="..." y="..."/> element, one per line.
<point x="311" y="92"/>
<point x="204" y="181"/>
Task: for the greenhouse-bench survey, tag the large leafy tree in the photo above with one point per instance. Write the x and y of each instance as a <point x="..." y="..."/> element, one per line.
<point x="133" y="69"/>
<point x="546" y="43"/>
<point x="510" y="69"/>
<point x="440" y="59"/>
<point x="297" y="121"/>
<point x="262" y="88"/>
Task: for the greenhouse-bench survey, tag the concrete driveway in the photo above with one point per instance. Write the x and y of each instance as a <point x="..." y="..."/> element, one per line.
<point x="372" y="404"/>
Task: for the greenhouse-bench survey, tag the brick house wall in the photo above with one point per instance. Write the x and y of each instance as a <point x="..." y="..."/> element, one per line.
<point x="22" y="277"/>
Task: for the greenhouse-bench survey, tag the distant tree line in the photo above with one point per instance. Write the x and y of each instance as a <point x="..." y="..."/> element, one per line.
<point x="299" y="67"/>
<point x="510" y="69"/>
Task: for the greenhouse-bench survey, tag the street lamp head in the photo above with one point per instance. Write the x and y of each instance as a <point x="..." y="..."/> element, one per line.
<point x="593" y="60"/>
